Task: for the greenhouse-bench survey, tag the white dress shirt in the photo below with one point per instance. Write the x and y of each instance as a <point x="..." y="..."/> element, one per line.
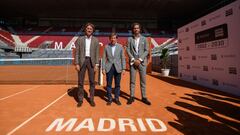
<point x="136" y="42"/>
<point x="136" y="39"/>
<point x="113" y="49"/>
<point x="87" y="46"/>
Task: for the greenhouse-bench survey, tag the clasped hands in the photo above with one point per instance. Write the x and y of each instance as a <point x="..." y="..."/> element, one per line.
<point x="136" y="63"/>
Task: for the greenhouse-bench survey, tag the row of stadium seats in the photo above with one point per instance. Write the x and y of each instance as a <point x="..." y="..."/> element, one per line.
<point x="6" y="37"/>
<point x="39" y="41"/>
<point x="49" y="41"/>
<point x="65" y="30"/>
<point x="45" y="53"/>
<point x="8" y="55"/>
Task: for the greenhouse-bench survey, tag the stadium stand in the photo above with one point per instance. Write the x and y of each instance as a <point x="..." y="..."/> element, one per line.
<point x="43" y="40"/>
<point x="25" y="38"/>
<point x="3" y="45"/>
<point x="64" y="39"/>
<point x="6" y="37"/>
<point x="49" y="53"/>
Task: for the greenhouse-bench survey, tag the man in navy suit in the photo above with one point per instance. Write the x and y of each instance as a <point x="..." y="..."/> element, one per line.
<point x="113" y="65"/>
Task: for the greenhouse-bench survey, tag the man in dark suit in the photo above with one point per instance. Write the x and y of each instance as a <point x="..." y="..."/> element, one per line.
<point x="114" y="64"/>
<point x="87" y="54"/>
<point x="137" y="49"/>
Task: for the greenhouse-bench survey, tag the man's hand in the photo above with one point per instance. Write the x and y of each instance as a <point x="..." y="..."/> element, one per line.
<point x="123" y="72"/>
<point x="95" y="68"/>
<point x="137" y="63"/>
<point x="103" y="72"/>
<point x="77" y="67"/>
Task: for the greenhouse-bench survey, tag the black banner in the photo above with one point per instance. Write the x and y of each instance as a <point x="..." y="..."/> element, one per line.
<point x="212" y="34"/>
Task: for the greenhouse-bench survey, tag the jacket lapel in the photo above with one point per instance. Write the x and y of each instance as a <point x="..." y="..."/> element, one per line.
<point x="116" y="50"/>
<point x="84" y="45"/>
<point x="133" y="44"/>
<point x="110" y="50"/>
<point x="91" y="46"/>
<point x="140" y="43"/>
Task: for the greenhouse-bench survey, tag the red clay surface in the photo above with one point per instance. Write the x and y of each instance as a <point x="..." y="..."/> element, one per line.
<point x="183" y="107"/>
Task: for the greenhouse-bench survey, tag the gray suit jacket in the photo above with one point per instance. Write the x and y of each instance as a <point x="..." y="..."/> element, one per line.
<point x="142" y="49"/>
<point x="118" y="60"/>
<point x="80" y="51"/>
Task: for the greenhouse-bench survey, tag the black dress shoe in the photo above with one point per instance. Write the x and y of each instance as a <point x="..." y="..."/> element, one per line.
<point x="79" y="104"/>
<point x="92" y="103"/>
<point x="145" y="100"/>
<point x="109" y="102"/>
<point x="130" y="100"/>
<point x="118" y="102"/>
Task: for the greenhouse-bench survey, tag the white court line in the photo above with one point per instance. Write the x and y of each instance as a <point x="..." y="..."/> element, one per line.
<point x="19" y="92"/>
<point x="36" y="114"/>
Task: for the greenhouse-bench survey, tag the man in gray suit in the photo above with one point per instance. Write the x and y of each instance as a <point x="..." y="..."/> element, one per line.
<point x="137" y="49"/>
<point x="87" y="53"/>
<point x="114" y="64"/>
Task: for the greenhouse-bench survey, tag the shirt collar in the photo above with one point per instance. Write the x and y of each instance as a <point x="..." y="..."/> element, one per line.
<point x="113" y="45"/>
<point x="137" y="37"/>
<point x="89" y="37"/>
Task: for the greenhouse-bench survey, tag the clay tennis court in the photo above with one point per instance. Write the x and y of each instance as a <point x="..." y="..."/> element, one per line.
<point x="184" y="108"/>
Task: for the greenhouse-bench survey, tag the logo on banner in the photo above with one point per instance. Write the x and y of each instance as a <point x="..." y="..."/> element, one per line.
<point x="194" y="26"/>
<point x="202" y="57"/>
<point x="232" y="70"/>
<point x="228" y="56"/>
<point x="216" y="37"/>
<point x="180" y="40"/>
<point x="215" y="82"/>
<point x="182" y="66"/>
<point x="213" y="57"/>
<point x="215" y="17"/>
<point x="203" y="23"/>
<point x="194" y="57"/>
<point x="196" y="67"/>
<point x="205" y="68"/>
<point x="186" y="57"/>
<point x="229" y="12"/>
<point x="180" y="57"/>
<point x="218" y="68"/>
<point x="194" y="78"/>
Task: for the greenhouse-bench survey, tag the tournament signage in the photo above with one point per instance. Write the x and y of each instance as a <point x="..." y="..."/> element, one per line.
<point x="209" y="50"/>
<point x="212" y="38"/>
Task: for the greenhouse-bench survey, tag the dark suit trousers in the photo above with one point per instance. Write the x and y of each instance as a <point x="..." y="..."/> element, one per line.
<point x="117" y="78"/>
<point x="81" y="77"/>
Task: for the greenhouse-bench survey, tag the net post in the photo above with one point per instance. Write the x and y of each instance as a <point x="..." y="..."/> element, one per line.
<point x="100" y="78"/>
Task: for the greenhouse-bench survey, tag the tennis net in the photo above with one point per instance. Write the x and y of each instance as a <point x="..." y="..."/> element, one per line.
<point x="39" y="71"/>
